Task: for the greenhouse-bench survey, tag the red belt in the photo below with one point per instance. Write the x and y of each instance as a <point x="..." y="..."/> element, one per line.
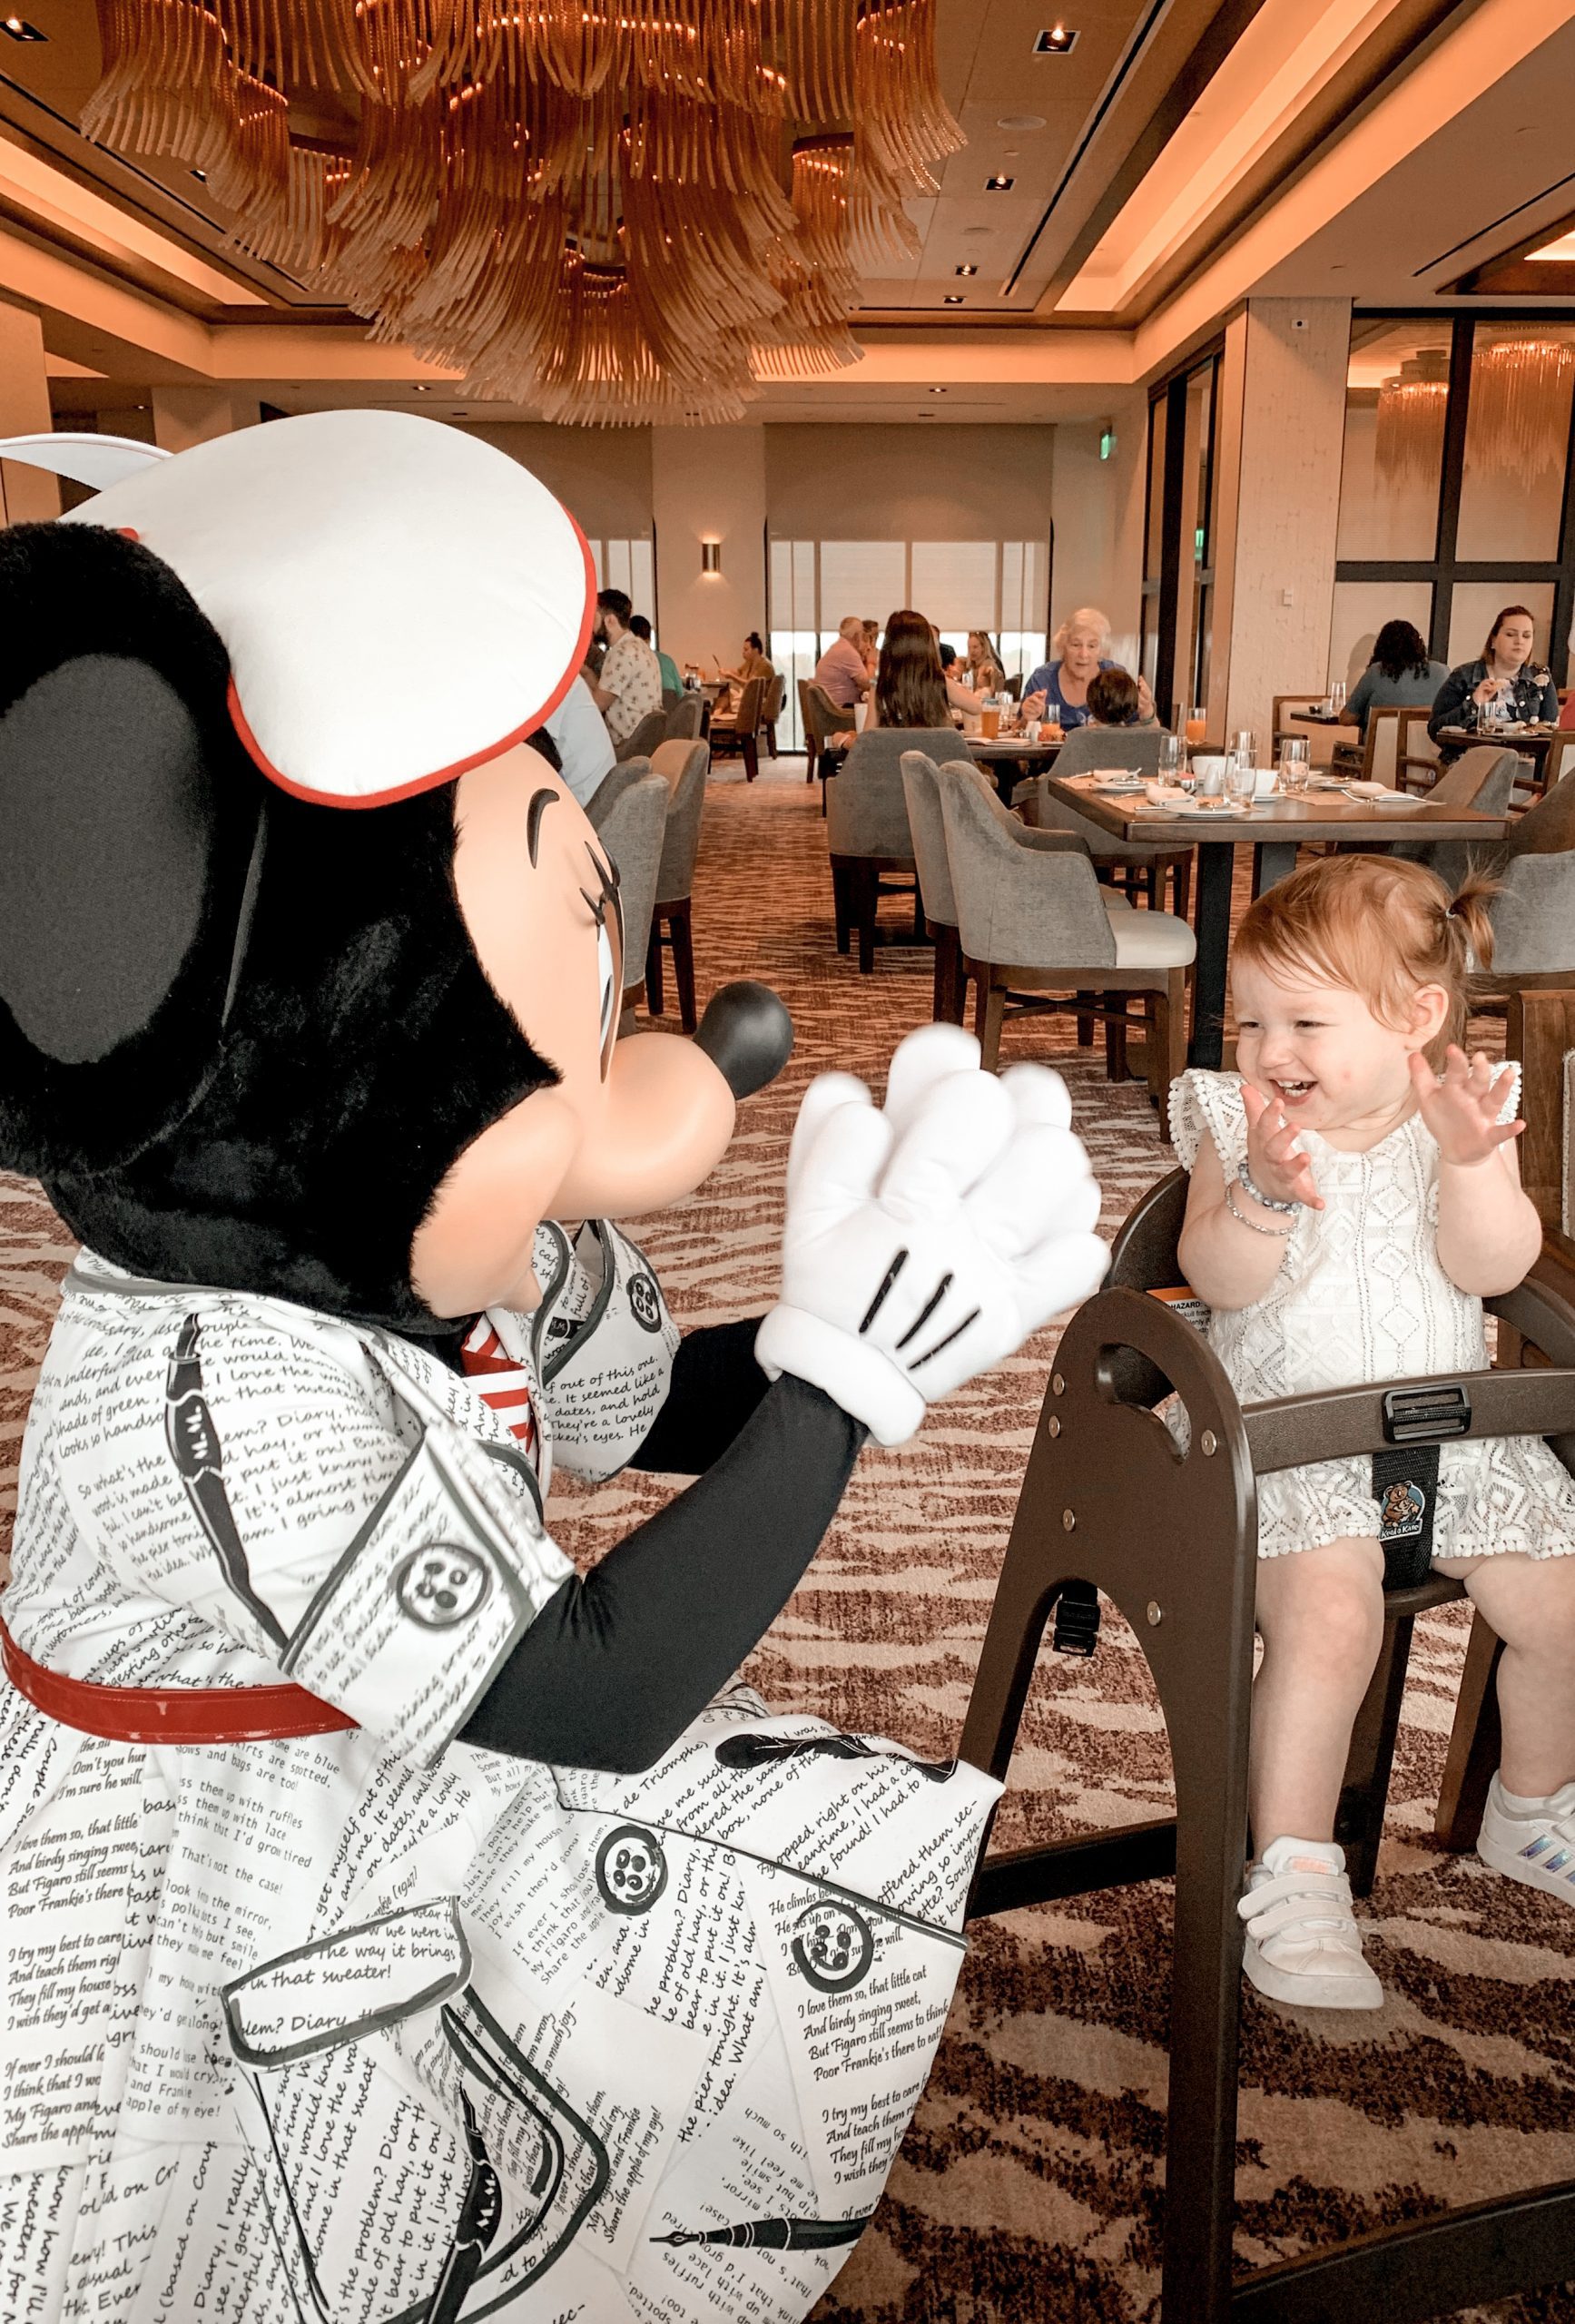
<point x="171" y="1714"/>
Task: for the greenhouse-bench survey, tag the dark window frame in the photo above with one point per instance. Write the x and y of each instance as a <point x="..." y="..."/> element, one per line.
<point x="1444" y="570"/>
<point x="1172" y="391"/>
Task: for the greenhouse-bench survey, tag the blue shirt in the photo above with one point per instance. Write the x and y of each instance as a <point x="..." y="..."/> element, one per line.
<point x="1047" y="677"/>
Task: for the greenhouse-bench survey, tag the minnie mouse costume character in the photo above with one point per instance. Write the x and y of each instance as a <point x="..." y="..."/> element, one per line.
<point x="398" y="1927"/>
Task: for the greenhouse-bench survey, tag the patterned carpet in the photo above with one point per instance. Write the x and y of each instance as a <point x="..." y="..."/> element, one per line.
<point x="1030" y="2185"/>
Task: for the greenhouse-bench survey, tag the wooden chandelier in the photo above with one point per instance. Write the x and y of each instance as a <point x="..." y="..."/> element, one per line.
<point x="615" y="210"/>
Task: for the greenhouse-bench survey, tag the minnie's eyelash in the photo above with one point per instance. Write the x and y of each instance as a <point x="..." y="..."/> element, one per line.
<point x="607" y="873"/>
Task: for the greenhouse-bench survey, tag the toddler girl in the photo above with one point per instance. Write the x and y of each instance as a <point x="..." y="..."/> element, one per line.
<point x="1355" y="1195"/>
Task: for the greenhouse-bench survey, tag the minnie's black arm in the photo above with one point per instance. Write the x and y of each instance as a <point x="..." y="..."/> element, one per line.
<point x="616" y="1665"/>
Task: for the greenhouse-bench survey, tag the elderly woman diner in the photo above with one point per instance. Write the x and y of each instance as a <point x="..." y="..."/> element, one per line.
<point x="1057" y="691"/>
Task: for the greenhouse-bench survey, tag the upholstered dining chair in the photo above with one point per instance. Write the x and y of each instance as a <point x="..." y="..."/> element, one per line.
<point x="643" y="739"/>
<point x="927" y="827"/>
<point x="771" y="704"/>
<point x="1533" y="913"/>
<point x="822" y="716"/>
<point x="740" y="733"/>
<point x="1034" y="922"/>
<point x="683" y="718"/>
<point x="633" y="831"/>
<point x="1483" y="778"/>
<point x="1084" y="750"/>
<point x="871" y="848"/>
<point x="682" y="766"/>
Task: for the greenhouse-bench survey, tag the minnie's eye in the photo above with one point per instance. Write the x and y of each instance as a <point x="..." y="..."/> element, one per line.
<point x="606" y="972"/>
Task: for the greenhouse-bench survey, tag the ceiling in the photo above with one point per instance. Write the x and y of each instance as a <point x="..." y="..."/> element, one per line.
<point x="1182" y="153"/>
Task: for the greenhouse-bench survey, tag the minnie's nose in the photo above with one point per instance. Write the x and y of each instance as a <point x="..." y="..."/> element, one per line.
<point x="748" y="1035"/>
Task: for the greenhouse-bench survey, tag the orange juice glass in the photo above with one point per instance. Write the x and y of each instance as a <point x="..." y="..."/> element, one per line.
<point x="989" y="722"/>
<point x="1196" y="724"/>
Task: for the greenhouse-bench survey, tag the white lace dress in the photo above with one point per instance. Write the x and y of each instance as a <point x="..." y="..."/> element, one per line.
<point x="1360" y="1295"/>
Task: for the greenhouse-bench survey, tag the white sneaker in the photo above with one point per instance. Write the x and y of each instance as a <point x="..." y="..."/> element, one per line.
<point x="1538" y="1848"/>
<point x="1303" y="1943"/>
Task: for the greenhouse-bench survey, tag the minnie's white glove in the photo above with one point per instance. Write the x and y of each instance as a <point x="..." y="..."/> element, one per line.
<point x="927" y="1241"/>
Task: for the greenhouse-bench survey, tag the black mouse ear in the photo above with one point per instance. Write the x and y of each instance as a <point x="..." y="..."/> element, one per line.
<point x="127" y="814"/>
<point x="108" y="822"/>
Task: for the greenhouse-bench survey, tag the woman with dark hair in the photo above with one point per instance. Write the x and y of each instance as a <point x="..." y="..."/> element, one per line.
<point x="1505" y="676"/>
<point x="909" y="683"/>
<point x="1400" y="674"/>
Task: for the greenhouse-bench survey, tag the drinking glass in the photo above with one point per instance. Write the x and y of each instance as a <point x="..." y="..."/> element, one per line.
<point x="1194" y="727"/>
<point x="1294" y="767"/>
<point x="1245" y="743"/>
<point x="1337" y="696"/>
<point x="1241" y="779"/>
<point x="990" y="718"/>
<point x="1172" y="758"/>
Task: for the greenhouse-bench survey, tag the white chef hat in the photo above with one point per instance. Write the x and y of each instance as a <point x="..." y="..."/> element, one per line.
<point x="399" y="600"/>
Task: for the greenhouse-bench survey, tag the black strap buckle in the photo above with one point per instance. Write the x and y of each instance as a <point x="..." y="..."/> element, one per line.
<point x="1077" y="1630"/>
<point x="1426" y="1416"/>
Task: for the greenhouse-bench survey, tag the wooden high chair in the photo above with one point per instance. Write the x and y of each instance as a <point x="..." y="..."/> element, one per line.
<point x="1102" y="1469"/>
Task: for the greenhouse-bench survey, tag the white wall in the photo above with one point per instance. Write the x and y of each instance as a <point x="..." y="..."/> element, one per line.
<point x="709" y="484"/>
<point x="602" y="475"/>
<point x="1098" y="514"/>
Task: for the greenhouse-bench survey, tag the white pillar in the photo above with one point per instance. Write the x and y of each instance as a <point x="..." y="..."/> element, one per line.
<point x="1278" y="442"/>
<point x="27" y="495"/>
<point x="708" y="484"/>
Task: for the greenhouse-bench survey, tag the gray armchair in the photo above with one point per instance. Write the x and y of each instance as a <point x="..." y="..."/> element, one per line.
<point x="1034" y="922"/>
<point x="1482" y="778"/>
<point x="820" y="717"/>
<point x="1085" y="749"/>
<point x="643" y="739"/>
<point x="869" y="832"/>
<point x="683" y="767"/>
<point x="683" y="718"/>
<point x="927" y="827"/>
<point x="1533" y="914"/>
<point x="633" y="832"/>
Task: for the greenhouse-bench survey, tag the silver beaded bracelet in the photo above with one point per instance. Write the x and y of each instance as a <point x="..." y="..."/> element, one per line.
<point x="1243" y="1179"/>
<point x="1280" y="1233"/>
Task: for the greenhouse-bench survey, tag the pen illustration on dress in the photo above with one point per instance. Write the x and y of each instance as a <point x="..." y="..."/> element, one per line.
<point x="762" y="1750"/>
<point x="775" y="2234"/>
<point x="196" y="1449"/>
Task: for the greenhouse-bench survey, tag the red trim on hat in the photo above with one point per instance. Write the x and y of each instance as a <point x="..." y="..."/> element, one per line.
<point x="171" y="1714"/>
<point x="460" y="766"/>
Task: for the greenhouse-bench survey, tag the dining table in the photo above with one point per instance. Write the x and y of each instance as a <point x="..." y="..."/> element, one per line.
<point x="1274" y="827"/>
<point x="1532" y="743"/>
<point x="1008" y="758"/>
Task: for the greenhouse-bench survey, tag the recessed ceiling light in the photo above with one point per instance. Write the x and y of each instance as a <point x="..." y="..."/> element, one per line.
<point x="965" y="270"/>
<point x="200" y="176"/>
<point x="20" y="29"/>
<point x="1021" y="121"/>
<point x="1056" y="42"/>
<point x="953" y="299"/>
<point x="998" y="184"/>
<point x="421" y="389"/>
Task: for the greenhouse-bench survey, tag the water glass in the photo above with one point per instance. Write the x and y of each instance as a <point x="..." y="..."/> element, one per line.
<point x="1245" y="743"/>
<point x="1241" y="779"/>
<point x="1295" y="768"/>
<point x="1172" y="758"/>
<point x="1337" y="697"/>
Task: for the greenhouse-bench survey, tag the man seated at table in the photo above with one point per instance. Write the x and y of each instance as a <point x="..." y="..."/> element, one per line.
<point x="671" y="680"/>
<point x="628" y="687"/>
<point x="841" y="670"/>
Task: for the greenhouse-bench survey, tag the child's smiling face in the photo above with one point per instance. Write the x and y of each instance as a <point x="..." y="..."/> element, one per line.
<point x="1316" y="1050"/>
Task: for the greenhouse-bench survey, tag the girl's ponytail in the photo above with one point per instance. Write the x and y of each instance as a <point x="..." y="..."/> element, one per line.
<point x="1470" y="910"/>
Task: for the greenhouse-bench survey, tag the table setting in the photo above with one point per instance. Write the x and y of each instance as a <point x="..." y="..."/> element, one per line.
<point x="1218" y="802"/>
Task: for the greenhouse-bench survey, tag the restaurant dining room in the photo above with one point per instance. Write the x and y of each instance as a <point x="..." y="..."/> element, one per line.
<point x="787" y="1161"/>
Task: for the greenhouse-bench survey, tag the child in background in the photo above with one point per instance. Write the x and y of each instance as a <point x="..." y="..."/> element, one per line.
<point x="1355" y="1195"/>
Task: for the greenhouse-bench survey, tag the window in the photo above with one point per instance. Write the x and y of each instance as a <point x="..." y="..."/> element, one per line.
<point x="1176" y="646"/>
<point x="1457" y="496"/>
<point x="1000" y="587"/>
<point x="629" y="566"/>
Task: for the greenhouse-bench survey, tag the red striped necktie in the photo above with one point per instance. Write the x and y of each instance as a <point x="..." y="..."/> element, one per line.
<point x="500" y="1381"/>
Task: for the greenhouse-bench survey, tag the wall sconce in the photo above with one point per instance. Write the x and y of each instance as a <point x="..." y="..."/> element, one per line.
<point x="710" y="556"/>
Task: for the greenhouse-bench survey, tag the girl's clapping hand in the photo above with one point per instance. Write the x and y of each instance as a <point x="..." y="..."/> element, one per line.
<point x="1273" y="1161"/>
<point x="1461" y="1109"/>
